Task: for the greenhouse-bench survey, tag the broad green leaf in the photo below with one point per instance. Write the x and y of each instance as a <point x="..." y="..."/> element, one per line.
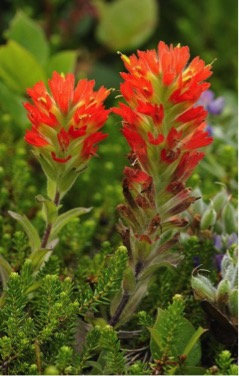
<point x="157" y="338"/>
<point x="62" y="62"/>
<point x="5" y="270"/>
<point x="19" y="69"/>
<point x="183" y="333"/>
<point x="11" y="103"/>
<point x="126" y="24"/>
<point x="64" y="218"/>
<point x="193" y="340"/>
<point x="29" y="35"/>
<point x="38" y="257"/>
<point x="34" y="239"/>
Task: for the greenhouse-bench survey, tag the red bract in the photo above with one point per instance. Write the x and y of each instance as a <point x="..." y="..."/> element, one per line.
<point x="160" y="120"/>
<point x="66" y="119"/>
<point x="164" y="129"/>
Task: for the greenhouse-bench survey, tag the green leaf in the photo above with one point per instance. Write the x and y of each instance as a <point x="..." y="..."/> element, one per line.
<point x="11" y="103"/>
<point x="23" y="75"/>
<point x="62" y="62"/>
<point x="193" y="340"/>
<point x="156" y="337"/>
<point x="34" y="239"/>
<point x="5" y="270"/>
<point x="50" y="210"/>
<point x="126" y="24"/>
<point x="29" y="35"/>
<point x="38" y="257"/>
<point x="64" y="218"/>
<point x="183" y="337"/>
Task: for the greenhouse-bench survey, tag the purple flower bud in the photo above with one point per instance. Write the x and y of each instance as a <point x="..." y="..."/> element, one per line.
<point x="213" y="106"/>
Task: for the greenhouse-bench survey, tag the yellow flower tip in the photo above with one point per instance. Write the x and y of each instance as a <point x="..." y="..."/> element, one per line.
<point x="63" y="75"/>
<point x="212" y="62"/>
<point x="43" y="100"/>
<point x="124" y="57"/>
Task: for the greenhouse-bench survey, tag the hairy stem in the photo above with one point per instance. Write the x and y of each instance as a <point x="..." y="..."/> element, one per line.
<point x="115" y="318"/>
<point x="125" y="298"/>
<point x="47" y="232"/>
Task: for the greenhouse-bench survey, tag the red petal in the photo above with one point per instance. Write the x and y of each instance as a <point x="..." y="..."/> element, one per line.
<point x="34" y="138"/>
<point x="60" y="160"/>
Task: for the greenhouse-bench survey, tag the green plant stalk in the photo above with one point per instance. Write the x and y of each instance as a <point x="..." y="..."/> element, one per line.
<point x="48" y="229"/>
<point x="125" y="298"/>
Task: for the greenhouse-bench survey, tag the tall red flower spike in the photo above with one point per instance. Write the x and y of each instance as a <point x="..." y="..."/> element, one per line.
<point x="164" y="128"/>
<point x="65" y="124"/>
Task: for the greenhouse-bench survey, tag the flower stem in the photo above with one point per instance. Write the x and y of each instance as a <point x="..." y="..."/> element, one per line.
<point x="47" y="232"/>
<point x="115" y="318"/>
<point x="125" y="298"/>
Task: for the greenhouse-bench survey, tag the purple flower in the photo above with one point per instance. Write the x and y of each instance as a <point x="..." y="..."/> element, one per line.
<point x="224" y="242"/>
<point x="213" y="106"/>
<point x="209" y="130"/>
<point x="218" y="261"/>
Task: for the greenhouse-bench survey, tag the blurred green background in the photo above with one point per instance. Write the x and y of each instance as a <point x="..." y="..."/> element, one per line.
<point x="96" y="29"/>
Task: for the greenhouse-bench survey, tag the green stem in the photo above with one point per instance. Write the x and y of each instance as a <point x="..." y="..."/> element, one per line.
<point x="48" y="229"/>
<point x="125" y="298"/>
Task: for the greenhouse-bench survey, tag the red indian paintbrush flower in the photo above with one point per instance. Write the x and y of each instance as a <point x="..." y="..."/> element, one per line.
<point x="65" y="125"/>
<point x="66" y="120"/>
<point x="164" y="128"/>
<point x="161" y="123"/>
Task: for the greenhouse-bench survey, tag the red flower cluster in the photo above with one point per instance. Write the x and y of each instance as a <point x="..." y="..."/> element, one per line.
<point x="164" y="129"/>
<point x="65" y="120"/>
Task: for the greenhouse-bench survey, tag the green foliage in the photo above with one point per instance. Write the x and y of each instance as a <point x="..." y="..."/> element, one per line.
<point x="111" y="357"/>
<point x="109" y="282"/>
<point x="120" y="30"/>
<point x="36" y="326"/>
<point x="224" y="365"/>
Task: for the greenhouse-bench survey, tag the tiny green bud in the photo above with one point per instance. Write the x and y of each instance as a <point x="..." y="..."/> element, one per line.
<point x="233" y="303"/>
<point x="220" y="200"/>
<point x="228" y="218"/>
<point x="51" y="370"/>
<point x="203" y="288"/>
<point x="223" y="290"/>
<point x="14" y="275"/>
<point x="208" y="219"/>
<point x="177" y="297"/>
